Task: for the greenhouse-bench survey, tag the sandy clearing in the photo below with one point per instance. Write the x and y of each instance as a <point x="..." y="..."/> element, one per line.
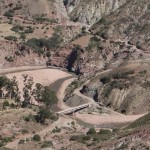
<point x="5" y="30"/>
<point x="82" y="41"/>
<point x="43" y="76"/>
<point x="106" y="118"/>
<point x="20" y="69"/>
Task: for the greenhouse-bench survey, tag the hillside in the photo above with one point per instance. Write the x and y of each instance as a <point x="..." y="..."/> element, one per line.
<point x="89" y="12"/>
<point x="129" y="23"/>
<point x="124" y="89"/>
<point x="74" y="74"/>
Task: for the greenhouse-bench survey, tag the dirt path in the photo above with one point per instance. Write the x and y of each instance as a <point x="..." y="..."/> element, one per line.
<point x="106" y="119"/>
<point x="63" y="121"/>
<point x="61" y="93"/>
<point x="52" y="75"/>
<point x="102" y="119"/>
<point x="20" y="69"/>
<point x="90" y="100"/>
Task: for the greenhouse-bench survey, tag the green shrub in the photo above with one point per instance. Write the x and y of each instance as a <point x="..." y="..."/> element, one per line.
<point x="17" y="28"/>
<point x="86" y="137"/>
<point x="9" y="59"/>
<point x="148" y="7"/>
<point x="9" y="13"/>
<point x="56" y="130"/>
<point x="11" y="38"/>
<point x="73" y="123"/>
<point x="103" y="131"/>
<point x="146" y="84"/>
<point x="23" y="36"/>
<point x="29" y="30"/>
<point x="24" y="131"/>
<point x="105" y="79"/>
<point x="91" y="131"/>
<point x="47" y="144"/>
<point x="36" y="137"/>
<point x="7" y="139"/>
<point x="103" y="21"/>
<point x="5" y="104"/>
<point x="1" y="144"/>
<point x="28" y="118"/>
<point x="101" y="137"/>
<point x="21" y="141"/>
<point x="74" y="138"/>
<point x="44" y="114"/>
<point x="42" y="19"/>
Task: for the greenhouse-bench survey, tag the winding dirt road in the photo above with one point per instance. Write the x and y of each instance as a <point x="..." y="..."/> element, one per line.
<point x="99" y="119"/>
<point x="103" y="119"/>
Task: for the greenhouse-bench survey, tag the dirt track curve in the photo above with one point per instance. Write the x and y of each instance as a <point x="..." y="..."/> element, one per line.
<point x="113" y="117"/>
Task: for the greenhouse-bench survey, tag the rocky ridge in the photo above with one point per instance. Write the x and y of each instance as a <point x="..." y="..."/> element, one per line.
<point x="89" y="12"/>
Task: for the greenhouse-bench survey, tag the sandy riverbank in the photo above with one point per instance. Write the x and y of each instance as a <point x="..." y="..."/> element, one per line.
<point x="106" y="119"/>
<point x="43" y="76"/>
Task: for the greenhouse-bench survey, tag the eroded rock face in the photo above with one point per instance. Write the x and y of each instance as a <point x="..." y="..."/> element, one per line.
<point x="91" y="11"/>
<point x="130" y="22"/>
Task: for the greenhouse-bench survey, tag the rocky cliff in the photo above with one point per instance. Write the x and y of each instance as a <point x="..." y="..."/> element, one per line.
<point x="89" y="12"/>
<point x="130" y="23"/>
<point x="125" y="89"/>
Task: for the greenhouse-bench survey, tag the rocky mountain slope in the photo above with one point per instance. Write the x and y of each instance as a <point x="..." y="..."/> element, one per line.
<point x="129" y="23"/>
<point x="124" y="89"/>
<point x="30" y="9"/>
<point x="89" y="12"/>
<point x="86" y="37"/>
<point x="120" y="35"/>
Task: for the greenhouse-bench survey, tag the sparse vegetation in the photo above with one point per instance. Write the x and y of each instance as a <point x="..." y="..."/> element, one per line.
<point x="47" y="144"/>
<point x="91" y="131"/>
<point x="44" y="114"/>
<point x="145" y="120"/>
<point x="117" y="80"/>
<point x="56" y="130"/>
<point x="42" y="19"/>
<point x="38" y="44"/>
<point x="9" y="13"/>
<point x="11" y="38"/>
<point x="21" y="141"/>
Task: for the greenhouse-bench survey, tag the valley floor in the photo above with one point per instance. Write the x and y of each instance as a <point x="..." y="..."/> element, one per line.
<point x="49" y="76"/>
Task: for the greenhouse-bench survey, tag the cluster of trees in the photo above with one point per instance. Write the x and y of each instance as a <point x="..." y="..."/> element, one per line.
<point x="43" y="94"/>
<point x="40" y="93"/>
<point x="10" y="86"/>
<point x="51" y="43"/>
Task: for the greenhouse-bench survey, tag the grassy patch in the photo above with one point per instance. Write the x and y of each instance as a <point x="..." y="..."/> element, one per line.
<point x="145" y="120"/>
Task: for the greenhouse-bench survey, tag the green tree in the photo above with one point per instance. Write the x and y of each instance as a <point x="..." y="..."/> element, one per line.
<point x="3" y="81"/>
<point x="91" y="131"/>
<point x="37" y="92"/>
<point x="26" y="96"/>
<point x="42" y="115"/>
<point x="5" y="104"/>
<point x="11" y="87"/>
<point x="27" y="90"/>
<point x="49" y="97"/>
<point x="37" y="138"/>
